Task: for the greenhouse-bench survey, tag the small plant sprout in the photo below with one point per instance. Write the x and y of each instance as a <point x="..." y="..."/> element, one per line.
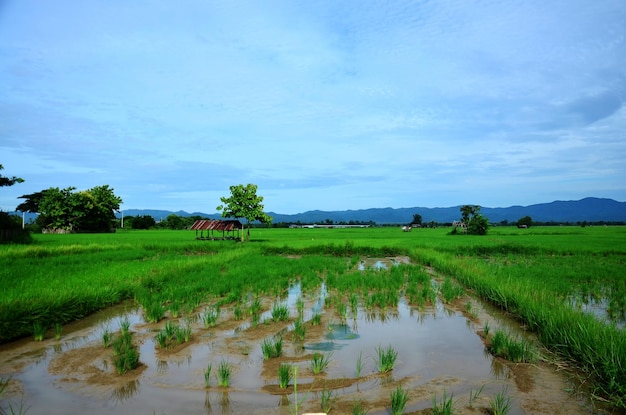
<point x="399" y="398"/>
<point x="445" y="406"/>
<point x="320" y="362"/>
<point x="39" y="330"/>
<point x="280" y="312"/>
<point x="300" y="306"/>
<point x="474" y="395"/>
<point x="327" y="400"/>
<point x="125" y="325"/>
<point x="357" y="408"/>
<point x="317" y="319"/>
<point x="207" y="375"/>
<point x="385" y="359"/>
<point x="359" y="365"/>
<point x="224" y="372"/>
<point x="210" y="317"/>
<point x="299" y="330"/>
<point x="501" y="403"/>
<point x="107" y="337"/>
<point x="58" y="331"/>
<point x="486" y="329"/>
<point x="284" y="375"/>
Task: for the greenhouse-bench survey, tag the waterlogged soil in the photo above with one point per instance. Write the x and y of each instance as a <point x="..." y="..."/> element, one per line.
<point x="441" y="349"/>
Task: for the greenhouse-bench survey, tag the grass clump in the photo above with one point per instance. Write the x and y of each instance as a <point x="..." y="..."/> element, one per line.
<point x="517" y="350"/>
<point x="399" y="398"/>
<point x="272" y="348"/>
<point x="280" y="312"/>
<point x="172" y="334"/>
<point x="445" y="406"/>
<point x="501" y="403"/>
<point x="327" y="400"/>
<point x="224" y="373"/>
<point x="386" y="359"/>
<point x="125" y="354"/>
<point x="39" y="330"/>
<point x="299" y="330"/>
<point x="207" y="375"/>
<point x="210" y="317"/>
<point x="320" y="362"/>
<point x="284" y="375"/>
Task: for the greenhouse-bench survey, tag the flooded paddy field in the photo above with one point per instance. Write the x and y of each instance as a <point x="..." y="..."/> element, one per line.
<point x="441" y="351"/>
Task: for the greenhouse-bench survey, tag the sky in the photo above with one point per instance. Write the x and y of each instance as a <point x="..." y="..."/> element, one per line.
<point x="329" y="104"/>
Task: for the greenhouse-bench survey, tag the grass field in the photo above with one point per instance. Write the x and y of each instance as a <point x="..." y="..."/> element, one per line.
<point x="546" y="276"/>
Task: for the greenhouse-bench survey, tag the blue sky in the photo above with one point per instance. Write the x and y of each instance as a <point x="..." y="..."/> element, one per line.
<point x="329" y="105"/>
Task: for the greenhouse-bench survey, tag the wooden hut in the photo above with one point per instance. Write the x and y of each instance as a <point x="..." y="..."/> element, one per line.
<point x="229" y="229"/>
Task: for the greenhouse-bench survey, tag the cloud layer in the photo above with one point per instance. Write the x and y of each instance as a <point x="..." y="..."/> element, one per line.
<point x="325" y="105"/>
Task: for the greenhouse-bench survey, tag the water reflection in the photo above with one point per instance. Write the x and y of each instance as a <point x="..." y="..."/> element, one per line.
<point x="126" y="392"/>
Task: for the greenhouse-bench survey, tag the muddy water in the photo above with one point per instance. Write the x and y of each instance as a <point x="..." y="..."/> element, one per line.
<point x="439" y="349"/>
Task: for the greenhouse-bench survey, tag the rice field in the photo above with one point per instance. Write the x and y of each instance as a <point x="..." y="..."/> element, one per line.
<point x="567" y="285"/>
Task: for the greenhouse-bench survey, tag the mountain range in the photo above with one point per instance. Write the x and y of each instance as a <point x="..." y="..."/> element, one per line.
<point x="590" y="209"/>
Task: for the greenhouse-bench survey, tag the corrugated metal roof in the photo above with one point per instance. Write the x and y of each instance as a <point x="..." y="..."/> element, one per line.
<point x="216" y="225"/>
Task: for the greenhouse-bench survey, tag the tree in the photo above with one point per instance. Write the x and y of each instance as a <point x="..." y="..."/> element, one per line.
<point x="476" y="224"/>
<point x="244" y="203"/>
<point x="9" y="181"/>
<point x="91" y="210"/>
<point x="417" y="219"/>
<point x="524" y="222"/>
<point x="10" y="227"/>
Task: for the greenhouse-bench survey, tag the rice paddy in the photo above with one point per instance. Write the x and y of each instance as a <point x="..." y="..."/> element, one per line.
<point x="563" y="287"/>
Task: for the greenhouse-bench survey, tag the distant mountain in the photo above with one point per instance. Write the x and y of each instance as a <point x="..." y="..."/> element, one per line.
<point x="590" y="209"/>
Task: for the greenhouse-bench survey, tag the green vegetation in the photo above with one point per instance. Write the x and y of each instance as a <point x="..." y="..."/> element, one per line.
<point x="385" y="359"/>
<point x="272" y="348"/>
<point x="547" y="277"/>
<point x="445" y="406"/>
<point x="224" y="373"/>
<point x="207" y="375"/>
<point x="320" y="362"/>
<point x="399" y="398"/>
<point x="125" y="354"/>
<point x="517" y="350"/>
<point x="327" y="400"/>
<point x="284" y="375"/>
<point x="501" y="403"/>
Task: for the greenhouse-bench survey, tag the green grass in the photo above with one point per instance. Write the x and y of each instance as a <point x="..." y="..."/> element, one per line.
<point x="272" y="348"/>
<point x="543" y="276"/>
<point x="284" y="375"/>
<point x="320" y="362"/>
<point x="385" y="359"/>
<point x="445" y="406"/>
<point x="207" y="375"/>
<point x="224" y="373"/>
<point x="125" y="354"/>
<point x="399" y="398"/>
<point x="501" y="403"/>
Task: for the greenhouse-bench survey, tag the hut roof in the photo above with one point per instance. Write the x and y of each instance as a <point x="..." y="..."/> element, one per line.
<point x="216" y="225"/>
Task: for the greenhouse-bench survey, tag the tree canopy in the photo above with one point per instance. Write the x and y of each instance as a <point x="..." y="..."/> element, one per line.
<point x="476" y="223"/>
<point x="9" y="181"/>
<point x="91" y="210"/>
<point x="244" y="203"/>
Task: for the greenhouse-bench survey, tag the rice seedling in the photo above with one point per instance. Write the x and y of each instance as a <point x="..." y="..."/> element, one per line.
<point x="486" y="328"/>
<point x="58" y="331"/>
<point x="354" y="304"/>
<point x="316" y="320"/>
<point x="154" y="312"/>
<point x="299" y="330"/>
<point x="399" y="398"/>
<point x="255" y="307"/>
<point x="450" y="291"/>
<point x="272" y="348"/>
<point x="300" y="306"/>
<point x="210" y="317"/>
<point x="342" y="310"/>
<point x="357" y="408"/>
<point x="517" y="350"/>
<point x="385" y="359"/>
<point x="161" y="339"/>
<point x="474" y="395"/>
<point x="445" y="406"/>
<point x="107" y="338"/>
<point x="320" y="362"/>
<point x="359" y="365"/>
<point x="238" y="312"/>
<point x="125" y="355"/>
<point x="224" y="372"/>
<point x="174" y="309"/>
<point x="125" y="324"/>
<point x="284" y="375"/>
<point x="39" y="330"/>
<point x="501" y="403"/>
<point x="170" y="329"/>
<point x="327" y="400"/>
<point x="207" y="375"/>
<point x="280" y="312"/>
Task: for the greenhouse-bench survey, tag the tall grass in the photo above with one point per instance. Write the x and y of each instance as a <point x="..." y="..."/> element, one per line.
<point x="385" y="358"/>
<point x="399" y="398"/>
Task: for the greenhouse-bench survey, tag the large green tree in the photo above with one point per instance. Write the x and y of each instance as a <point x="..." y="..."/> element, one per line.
<point x="475" y="222"/>
<point x="244" y="203"/>
<point x="91" y="210"/>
